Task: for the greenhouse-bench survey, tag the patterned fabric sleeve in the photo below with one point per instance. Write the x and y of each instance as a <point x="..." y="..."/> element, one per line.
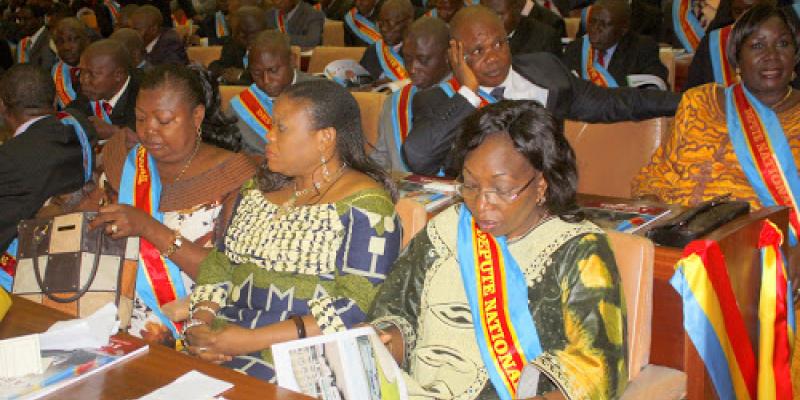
<point x="213" y="281"/>
<point x="591" y="361"/>
<point x="397" y="303"/>
<point x="370" y="245"/>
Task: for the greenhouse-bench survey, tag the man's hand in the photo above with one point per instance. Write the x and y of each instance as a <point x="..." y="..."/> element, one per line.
<point x="462" y="71"/>
<point x="103" y="128"/>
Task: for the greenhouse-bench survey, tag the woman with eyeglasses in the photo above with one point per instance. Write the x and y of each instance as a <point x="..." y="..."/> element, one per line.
<point x="512" y="277"/>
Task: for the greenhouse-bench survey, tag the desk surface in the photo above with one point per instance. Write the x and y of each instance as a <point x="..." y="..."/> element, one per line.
<point x="140" y="375"/>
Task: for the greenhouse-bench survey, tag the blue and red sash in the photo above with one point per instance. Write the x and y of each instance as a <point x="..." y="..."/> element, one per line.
<point x="113" y="10"/>
<point x="586" y="12"/>
<point x="593" y="71"/>
<point x="99" y="111"/>
<point x="498" y="298"/>
<point x="763" y="152"/>
<point x="62" y="77"/>
<point x="724" y="74"/>
<point x="686" y="25"/>
<point x="361" y="26"/>
<point x="23" y="47"/>
<point x="715" y="325"/>
<point x="220" y="25"/>
<point x="8" y="265"/>
<point x="402" y="116"/>
<point x="158" y="279"/>
<point x="280" y="21"/>
<point x="391" y="62"/>
<point x="451" y="86"/>
<point x="254" y="107"/>
<point x="86" y="145"/>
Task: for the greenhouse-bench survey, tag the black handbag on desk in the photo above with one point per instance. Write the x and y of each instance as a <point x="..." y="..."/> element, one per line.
<point x="698" y="221"/>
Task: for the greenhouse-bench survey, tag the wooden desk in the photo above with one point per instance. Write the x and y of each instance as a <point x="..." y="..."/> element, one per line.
<point x="140" y="375"/>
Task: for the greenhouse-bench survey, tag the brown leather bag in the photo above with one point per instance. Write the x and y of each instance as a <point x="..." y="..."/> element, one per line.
<point x="65" y="265"/>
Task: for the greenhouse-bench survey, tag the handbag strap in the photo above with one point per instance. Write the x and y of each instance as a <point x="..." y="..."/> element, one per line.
<point x="95" y="264"/>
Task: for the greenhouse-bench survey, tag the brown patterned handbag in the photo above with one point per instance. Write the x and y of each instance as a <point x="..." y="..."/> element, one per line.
<point x="65" y="265"/>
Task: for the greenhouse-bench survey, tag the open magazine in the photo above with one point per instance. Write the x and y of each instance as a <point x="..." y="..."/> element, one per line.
<point x="63" y="368"/>
<point x="349" y="365"/>
<point x="624" y="217"/>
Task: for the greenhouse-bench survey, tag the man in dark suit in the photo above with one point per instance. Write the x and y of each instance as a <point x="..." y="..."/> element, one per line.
<point x="525" y="34"/>
<point x="335" y="9"/>
<point x="163" y="45"/>
<point x="164" y="9"/>
<point x="34" y="46"/>
<point x="246" y="23"/>
<point x="273" y="71"/>
<point x="615" y="47"/>
<point x="44" y="158"/>
<point x="299" y="20"/>
<point x="394" y="19"/>
<point x="71" y="40"/>
<point x="483" y="69"/>
<point x="545" y="16"/>
<point x="134" y="45"/>
<point x="366" y="11"/>
<point x="108" y="89"/>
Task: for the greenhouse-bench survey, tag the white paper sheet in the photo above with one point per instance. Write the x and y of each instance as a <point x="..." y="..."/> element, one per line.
<point x="86" y="333"/>
<point x="20" y="356"/>
<point x="193" y="385"/>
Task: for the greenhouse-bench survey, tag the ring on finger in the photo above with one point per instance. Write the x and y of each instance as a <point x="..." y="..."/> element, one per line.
<point x="114" y="228"/>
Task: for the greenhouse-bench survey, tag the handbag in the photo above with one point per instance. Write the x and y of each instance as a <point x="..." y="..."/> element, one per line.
<point x="64" y="264"/>
<point x="698" y="221"/>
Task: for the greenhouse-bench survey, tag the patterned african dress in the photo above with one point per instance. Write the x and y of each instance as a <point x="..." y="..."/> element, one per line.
<point x="698" y="162"/>
<point x="574" y="297"/>
<point x="324" y="260"/>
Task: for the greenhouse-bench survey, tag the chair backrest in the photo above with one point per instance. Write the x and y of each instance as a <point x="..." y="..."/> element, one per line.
<point x="634" y="256"/>
<point x="226" y="93"/>
<point x="333" y="33"/>
<point x="370" y="104"/>
<point x="296" y="56"/>
<point x="323" y="55"/>
<point x="609" y="156"/>
<point x="204" y="55"/>
<point x="572" y="25"/>
<point x="667" y="56"/>
<point x="413" y="218"/>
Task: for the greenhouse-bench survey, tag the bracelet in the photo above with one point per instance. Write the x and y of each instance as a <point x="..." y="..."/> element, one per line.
<point x="300" y="325"/>
<point x="176" y="244"/>
<point x="203" y="308"/>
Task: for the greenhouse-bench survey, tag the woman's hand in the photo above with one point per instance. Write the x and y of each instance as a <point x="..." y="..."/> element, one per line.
<point x="461" y="69"/>
<point x="203" y="334"/>
<point x="225" y="341"/>
<point x="121" y="220"/>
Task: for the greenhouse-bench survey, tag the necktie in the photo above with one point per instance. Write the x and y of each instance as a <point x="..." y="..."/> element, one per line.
<point x="548" y="5"/>
<point x="601" y="57"/>
<point x="106" y="106"/>
<point x="74" y="74"/>
<point x="497" y="93"/>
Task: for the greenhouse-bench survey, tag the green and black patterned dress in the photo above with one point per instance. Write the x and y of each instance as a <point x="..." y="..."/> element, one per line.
<point x="574" y="295"/>
<point x="326" y="260"/>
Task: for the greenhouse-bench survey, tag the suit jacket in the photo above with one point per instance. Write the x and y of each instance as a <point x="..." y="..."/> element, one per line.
<point x="532" y="36"/>
<point x="371" y="63"/>
<point x="337" y="8"/>
<point x="41" y="54"/>
<point x="437" y="117"/>
<point x="169" y="49"/>
<point x="123" y="113"/>
<point x="208" y="29"/>
<point x="635" y="54"/>
<point x="304" y="27"/>
<point x="550" y="18"/>
<point x="350" y="38"/>
<point x="251" y="142"/>
<point x="232" y="56"/>
<point x="164" y="7"/>
<point x="28" y="179"/>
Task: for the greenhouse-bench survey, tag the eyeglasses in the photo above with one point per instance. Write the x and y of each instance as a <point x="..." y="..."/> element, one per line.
<point x="471" y="192"/>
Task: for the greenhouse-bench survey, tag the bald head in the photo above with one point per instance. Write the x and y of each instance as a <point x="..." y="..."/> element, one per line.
<point x="126" y="16"/>
<point x="619" y="9"/>
<point x="394" y="18"/>
<point x="147" y="21"/>
<point x="484" y="43"/>
<point x="104" y="69"/>
<point x="608" y="22"/>
<point x="133" y="43"/>
<point x="70" y="38"/>
<point x="471" y="16"/>
<point x="425" y="52"/>
<point x="271" y="62"/>
<point x="246" y="23"/>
